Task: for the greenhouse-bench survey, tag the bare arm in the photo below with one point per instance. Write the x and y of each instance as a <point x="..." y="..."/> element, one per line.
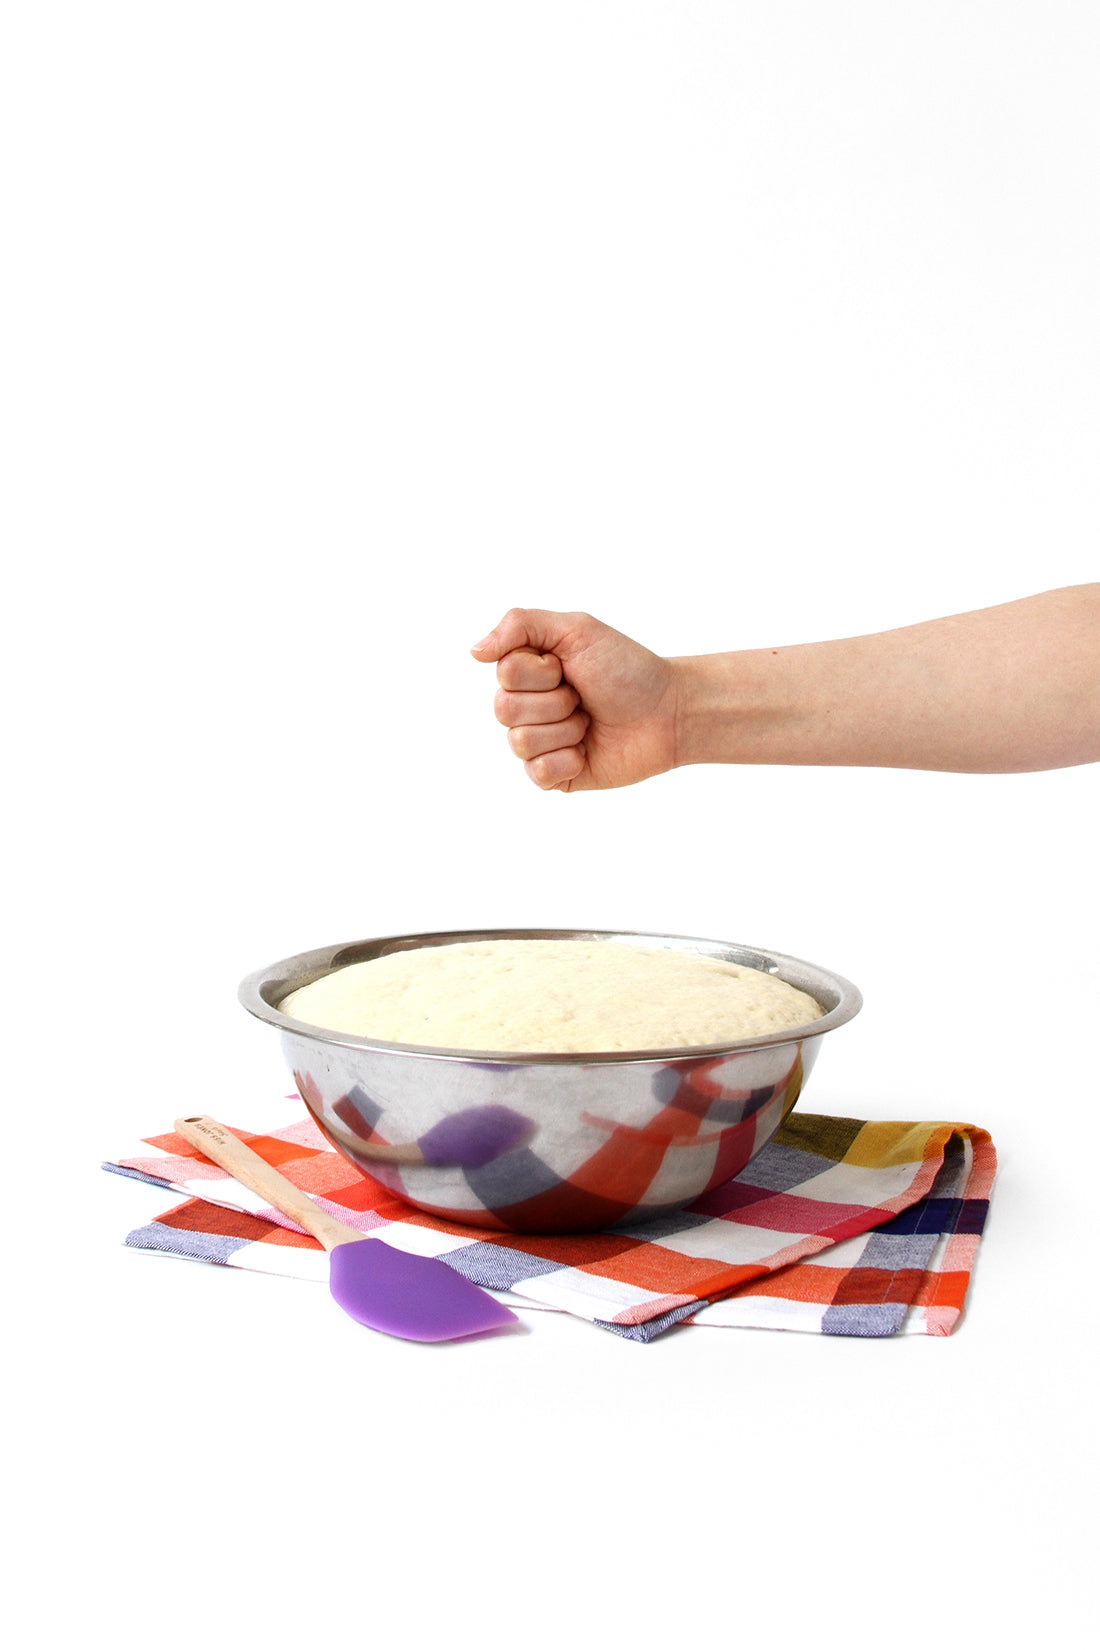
<point x="1002" y="690"/>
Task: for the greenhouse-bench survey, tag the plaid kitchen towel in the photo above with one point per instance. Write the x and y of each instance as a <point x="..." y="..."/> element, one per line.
<point x="838" y="1227"/>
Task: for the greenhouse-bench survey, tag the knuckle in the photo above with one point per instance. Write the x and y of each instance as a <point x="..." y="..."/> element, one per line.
<point x="519" y="742"/>
<point x="503" y="708"/>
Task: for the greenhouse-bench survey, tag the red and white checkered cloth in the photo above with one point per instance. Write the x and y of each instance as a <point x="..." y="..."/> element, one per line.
<point x="839" y="1227"/>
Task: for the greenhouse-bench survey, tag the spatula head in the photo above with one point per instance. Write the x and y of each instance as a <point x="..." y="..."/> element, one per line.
<point x="413" y="1296"/>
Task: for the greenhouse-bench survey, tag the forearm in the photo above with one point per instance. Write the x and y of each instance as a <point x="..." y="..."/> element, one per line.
<point x="1002" y="690"/>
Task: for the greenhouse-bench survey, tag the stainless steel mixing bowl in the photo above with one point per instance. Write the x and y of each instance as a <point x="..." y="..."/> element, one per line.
<point x="547" y="1142"/>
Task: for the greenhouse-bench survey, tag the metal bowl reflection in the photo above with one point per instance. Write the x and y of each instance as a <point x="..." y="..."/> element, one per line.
<point x="547" y="1142"/>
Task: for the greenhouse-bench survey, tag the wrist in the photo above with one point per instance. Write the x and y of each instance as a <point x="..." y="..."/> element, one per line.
<point x="732" y="707"/>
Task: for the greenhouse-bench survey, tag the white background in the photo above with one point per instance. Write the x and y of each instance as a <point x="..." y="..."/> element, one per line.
<point x="332" y="331"/>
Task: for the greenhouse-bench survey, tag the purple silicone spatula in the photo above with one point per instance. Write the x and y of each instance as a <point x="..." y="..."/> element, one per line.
<point x="413" y="1296"/>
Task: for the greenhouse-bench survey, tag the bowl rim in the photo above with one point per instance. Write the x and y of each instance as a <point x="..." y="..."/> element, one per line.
<point x="276" y="980"/>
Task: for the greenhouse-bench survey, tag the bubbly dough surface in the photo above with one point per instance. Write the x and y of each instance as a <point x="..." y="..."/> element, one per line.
<point x="550" y="997"/>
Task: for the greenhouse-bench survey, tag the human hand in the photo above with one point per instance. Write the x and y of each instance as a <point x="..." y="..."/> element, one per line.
<point x="585" y="707"/>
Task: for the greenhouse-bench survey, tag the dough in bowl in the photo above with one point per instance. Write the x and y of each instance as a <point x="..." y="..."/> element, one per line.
<point x="551" y="997"/>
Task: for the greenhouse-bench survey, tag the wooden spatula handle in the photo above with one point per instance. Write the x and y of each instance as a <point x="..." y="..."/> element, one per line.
<point x="215" y="1141"/>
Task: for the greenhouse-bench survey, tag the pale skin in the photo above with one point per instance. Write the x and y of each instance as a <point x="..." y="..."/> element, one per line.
<point x="1008" y="689"/>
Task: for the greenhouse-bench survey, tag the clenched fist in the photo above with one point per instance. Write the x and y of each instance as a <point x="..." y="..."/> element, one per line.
<point x="585" y="707"/>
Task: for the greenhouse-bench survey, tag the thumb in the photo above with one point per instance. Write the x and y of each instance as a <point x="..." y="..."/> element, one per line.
<point x="522" y="627"/>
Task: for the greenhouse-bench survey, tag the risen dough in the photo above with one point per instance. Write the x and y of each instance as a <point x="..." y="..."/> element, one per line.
<point x="550" y="997"/>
